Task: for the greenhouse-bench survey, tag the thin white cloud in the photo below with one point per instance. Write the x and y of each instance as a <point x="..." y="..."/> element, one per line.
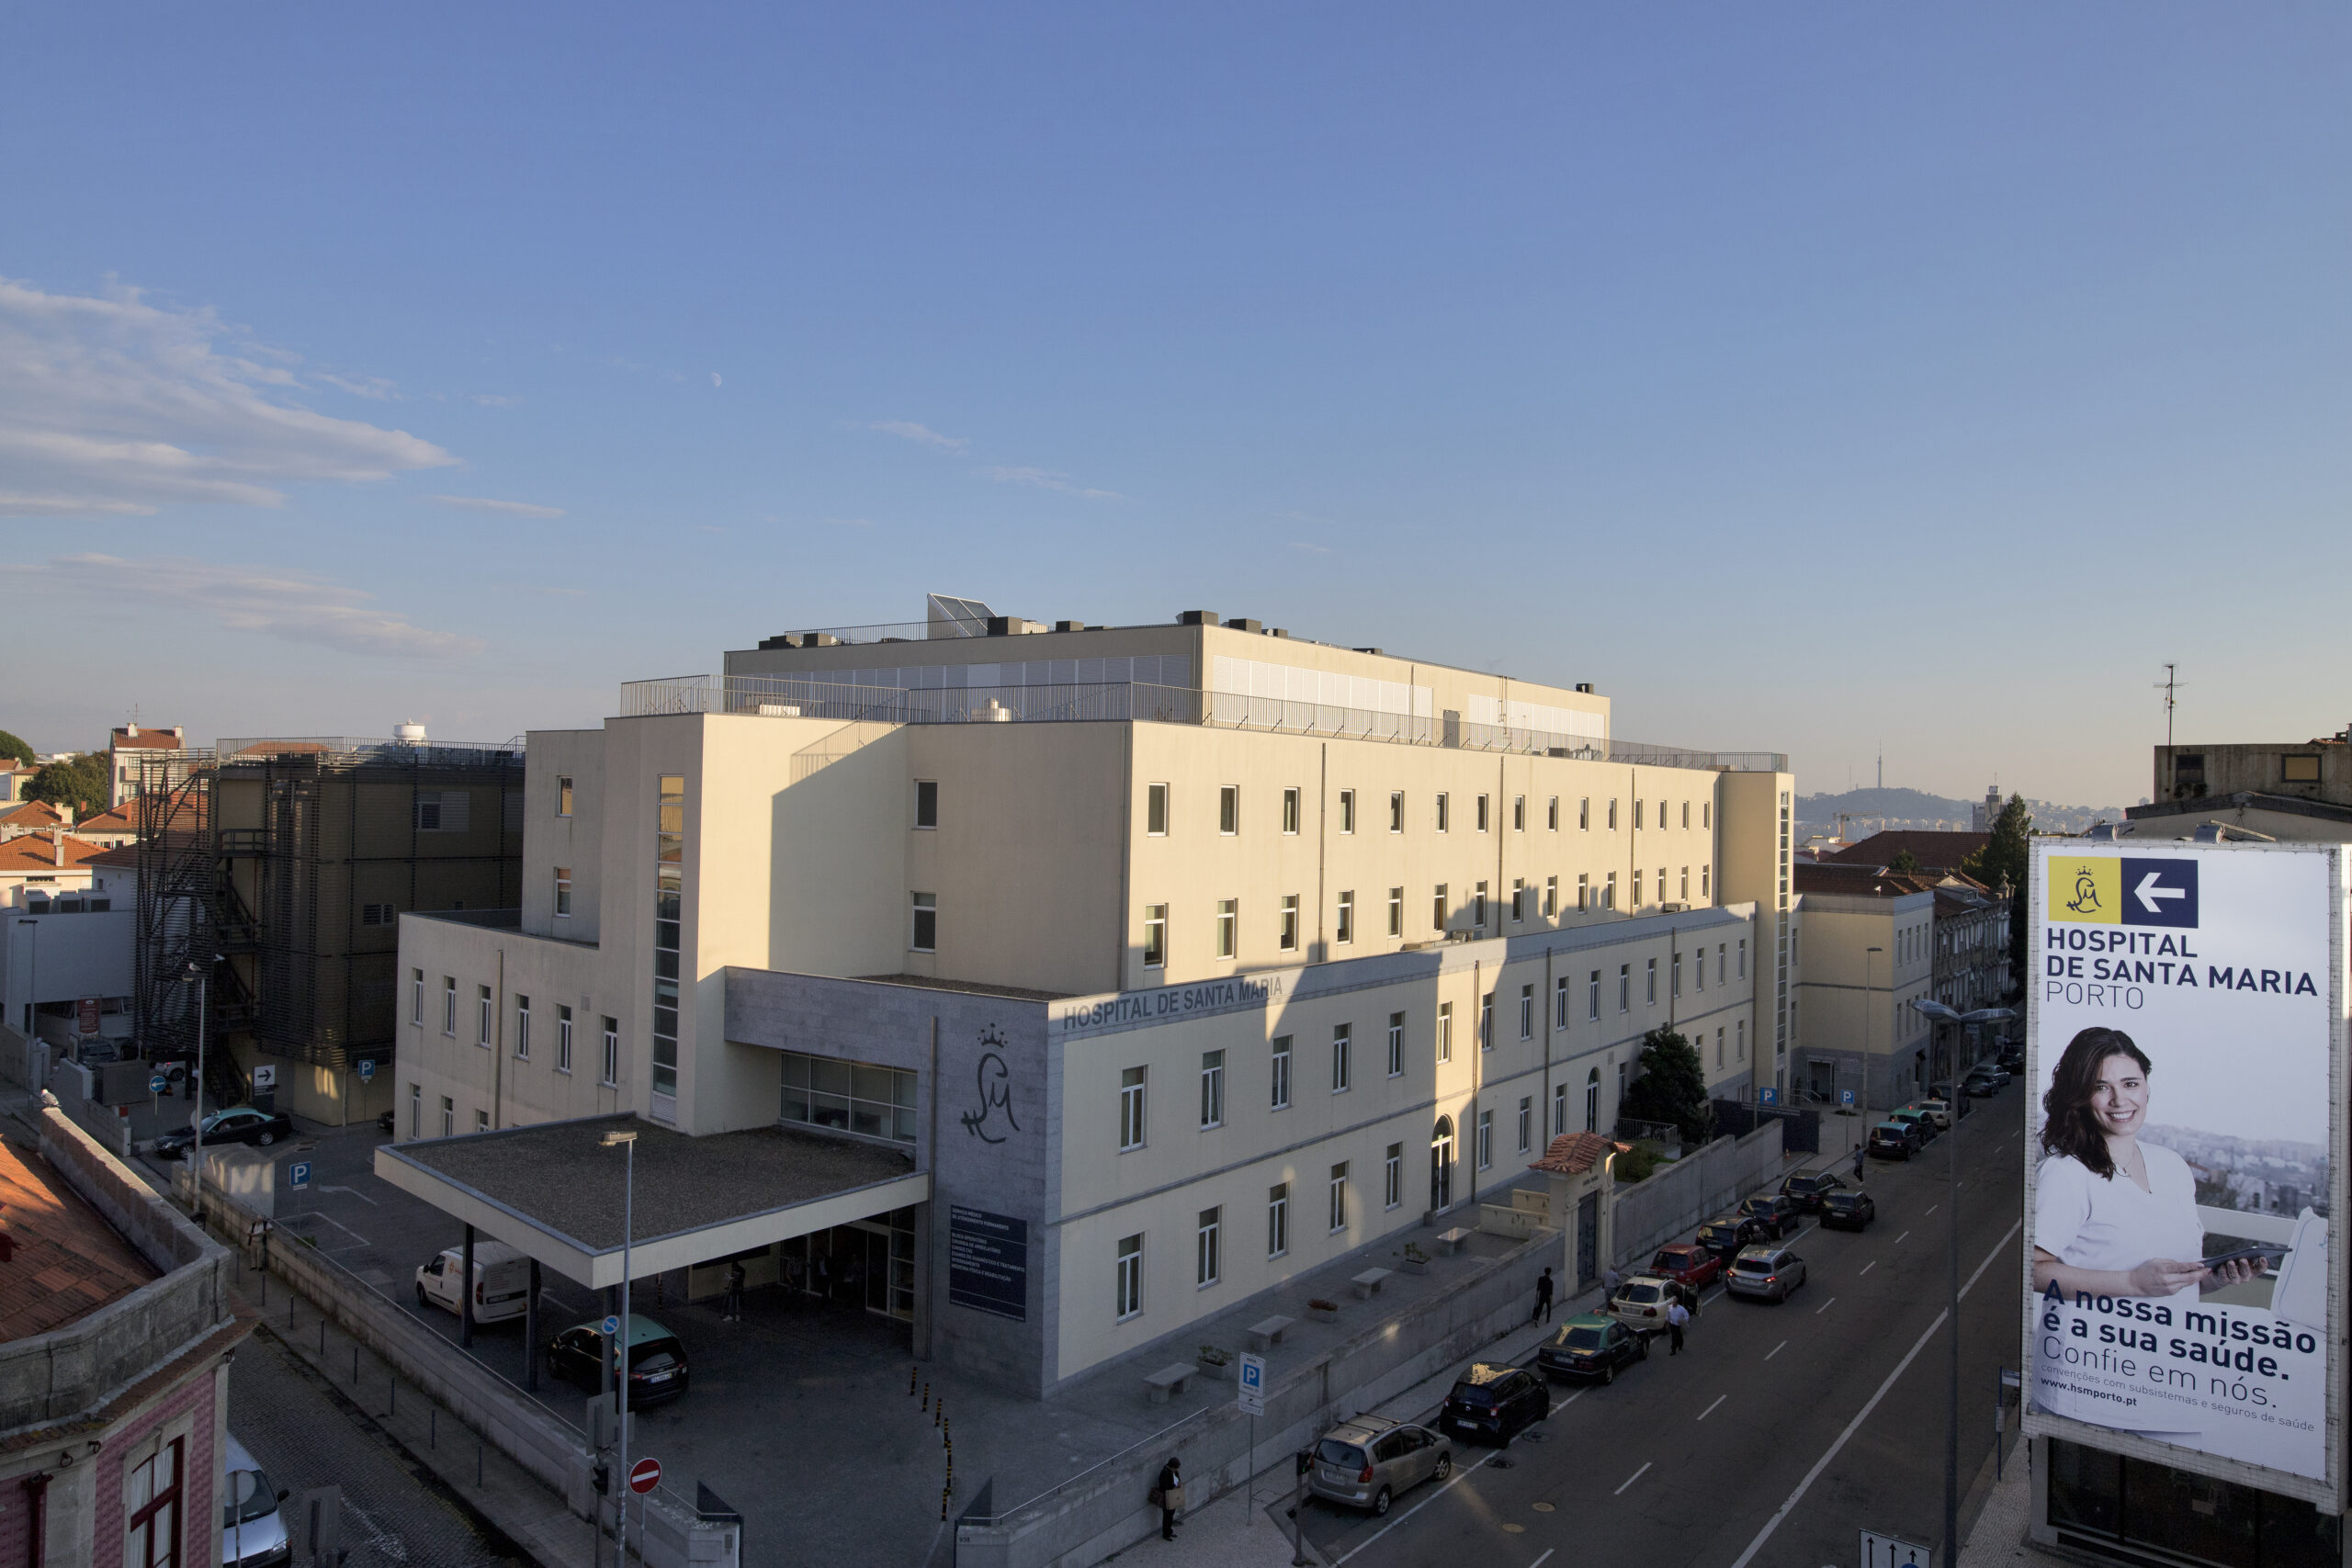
<point x="112" y="405"/>
<point x="920" y="434"/>
<point x="1046" y="479"/>
<point x="714" y="377"/>
<point x="497" y="400"/>
<point x="483" y="504"/>
<point x="374" y="387"/>
<point x="292" y="606"/>
<point x="1307" y="549"/>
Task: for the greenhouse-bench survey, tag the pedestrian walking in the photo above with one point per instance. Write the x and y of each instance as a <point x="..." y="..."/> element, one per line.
<point x="1858" y="1162"/>
<point x="1542" y="1299"/>
<point x="1171" y="1492"/>
<point x="734" y="1312"/>
<point x="1677" y="1315"/>
<point x="1609" y="1280"/>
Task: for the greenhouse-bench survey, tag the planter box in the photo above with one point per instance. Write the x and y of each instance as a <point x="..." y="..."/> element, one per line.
<point x="1223" y="1372"/>
<point x="1413" y="1265"/>
<point x="1323" y="1312"/>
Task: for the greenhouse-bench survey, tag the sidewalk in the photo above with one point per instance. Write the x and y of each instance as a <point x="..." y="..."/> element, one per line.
<point x="1999" y="1539"/>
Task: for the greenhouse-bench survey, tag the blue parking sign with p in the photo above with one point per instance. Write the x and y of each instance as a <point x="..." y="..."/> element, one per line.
<point x="366" y="1069"/>
<point x="1846" y="1097"/>
<point x="298" y="1175"/>
<point x="1767" y="1096"/>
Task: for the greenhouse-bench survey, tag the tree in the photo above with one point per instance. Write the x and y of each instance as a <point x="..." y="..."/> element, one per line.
<point x="81" y="785"/>
<point x="2001" y="864"/>
<point x="11" y="746"/>
<point x="1903" y="861"/>
<point x="1672" y="1087"/>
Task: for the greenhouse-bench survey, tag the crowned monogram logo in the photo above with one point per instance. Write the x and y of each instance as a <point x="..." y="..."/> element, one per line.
<point x="994" y="1086"/>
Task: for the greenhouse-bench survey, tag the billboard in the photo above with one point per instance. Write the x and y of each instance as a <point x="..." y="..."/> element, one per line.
<point x="2185" y="1020"/>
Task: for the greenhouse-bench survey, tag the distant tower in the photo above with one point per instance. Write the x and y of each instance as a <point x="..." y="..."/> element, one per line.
<point x="1881" y="765"/>
<point x="1986" y="812"/>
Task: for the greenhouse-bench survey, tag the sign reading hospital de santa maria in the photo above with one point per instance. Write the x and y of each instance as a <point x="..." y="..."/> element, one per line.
<point x="2186" y="1048"/>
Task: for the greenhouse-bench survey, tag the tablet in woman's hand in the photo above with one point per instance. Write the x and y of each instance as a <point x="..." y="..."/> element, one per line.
<point x="2267" y="1256"/>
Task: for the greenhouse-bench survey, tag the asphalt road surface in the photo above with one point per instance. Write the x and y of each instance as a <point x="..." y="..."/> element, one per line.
<point x="1782" y="1429"/>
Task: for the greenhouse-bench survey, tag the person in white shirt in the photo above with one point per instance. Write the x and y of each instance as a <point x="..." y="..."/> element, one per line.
<point x="2114" y="1216"/>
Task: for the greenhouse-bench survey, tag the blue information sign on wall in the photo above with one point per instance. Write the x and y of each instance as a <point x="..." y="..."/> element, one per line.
<point x="988" y="1262"/>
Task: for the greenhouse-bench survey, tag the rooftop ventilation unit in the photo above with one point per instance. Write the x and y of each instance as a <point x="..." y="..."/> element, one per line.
<point x="1196" y="619"/>
<point x="946" y="615"/>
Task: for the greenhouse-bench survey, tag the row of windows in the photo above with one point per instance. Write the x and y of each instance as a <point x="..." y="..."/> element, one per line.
<point x="484" y="1019"/>
<point x="1208" y="1237"/>
<point x="1661" y="814"/>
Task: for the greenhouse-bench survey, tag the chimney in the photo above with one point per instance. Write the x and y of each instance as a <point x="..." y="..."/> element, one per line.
<point x="130" y="731"/>
<point x="57" y="845"/>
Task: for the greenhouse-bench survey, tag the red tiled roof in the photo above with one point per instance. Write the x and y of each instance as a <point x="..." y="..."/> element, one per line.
<point x="1933" y="851"/>
<point x="1573" y="1154"/>
<point x="33" y="814"/>
<point x="35" y="853"/>
<point x="123" y="819"/>
<point x="123" y="856"/>
<point x="66" y="1261"/>
<point x="1865" y="881"/>
<point x="148" y="741"/>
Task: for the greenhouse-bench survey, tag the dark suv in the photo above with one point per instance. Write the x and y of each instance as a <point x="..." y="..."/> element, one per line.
<point x="1775" y="1213"/>
<point x="1496" y="1401"/>
<point x="1807" y="1189"/>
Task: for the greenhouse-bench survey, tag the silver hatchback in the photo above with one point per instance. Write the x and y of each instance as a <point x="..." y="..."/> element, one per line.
<point x="1369" y="1460"/>
<point x="1769" y="1273"/>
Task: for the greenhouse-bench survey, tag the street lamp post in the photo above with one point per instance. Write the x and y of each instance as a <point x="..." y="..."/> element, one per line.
<point x="1941" y="1013"/>
<point x="202" y="975"/>
<point x="1870" y="1020"/>
<point x="626" y="1139"/>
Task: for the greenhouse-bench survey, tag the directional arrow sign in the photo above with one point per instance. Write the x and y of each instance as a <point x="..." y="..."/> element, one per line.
<point x="2150" y="890"/>
<point x="2159" y="892"/>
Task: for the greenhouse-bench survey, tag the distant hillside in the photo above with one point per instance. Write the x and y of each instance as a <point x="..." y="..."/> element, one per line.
<point x="1869" y="810"/>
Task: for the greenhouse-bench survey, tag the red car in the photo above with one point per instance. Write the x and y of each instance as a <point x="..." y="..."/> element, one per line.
<point x="1687" y="1264"/>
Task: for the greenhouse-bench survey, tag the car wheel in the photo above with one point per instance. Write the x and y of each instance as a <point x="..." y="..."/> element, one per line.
<point x="420" y="1298"/>
<point x="1644" y="1353"/>
<point x="1609" y="1372"/>
<point x="265" y="1138"/>
<point x="1380" y="1502"/>
<point x="1444" y="1466"/>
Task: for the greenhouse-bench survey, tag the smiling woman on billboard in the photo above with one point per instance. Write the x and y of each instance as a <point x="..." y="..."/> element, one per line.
<point x="2114" y="1216"/>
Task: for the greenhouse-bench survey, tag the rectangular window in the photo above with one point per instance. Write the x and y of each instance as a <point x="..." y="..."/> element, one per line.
<point x="563" y="892"/>
<point x="152" y="1497"/>
<point x="416" y="997"/>
<point x="1290" y="922"/>
<point x="669" y="909"/>
<point x="1155" y="810"/>
<point x="1518" y="813"/>
<point x="562" y="1038"/>
<point x="1608" y="892"/>
<point x="1743" y="1040"/>
<point x="450" y="1005"/>
<point x="1551" y="897"/>
<point x="1584" y="814"/>
<point x="1290" y="811"/>
<point x="612" y="1073"/>
<point x="1155" y="936"/>
<point x="563" y="795"/>
<point x="1212" y="1089"/>
<point x="1340" y="1196"/>
<point x="1278" y="1219"/>
<point x="1592" y="997"/>
<point x="1478" y="906"/>
<point x="1395" y="1044"/>
<point x="1486" y="1140"/>
<point x="1676" y="980"/>
<point x="925" y="936"/>
<point x="1279" y="1098"/>
<point x="1637" y="891"/>
<point x="448" y="1118"/>
<point x="1686" y="814"/>
<point x="1345" y="931"/>
<point x="1683" y="888"/>
<point x="1444" y="812"/>
<point x="1229" y="922"/>
<point x="1651" y="982"/>
<point x="1719" y="1048"/>
<point x="1706" y="814"/>
<point x="1131" y="1109"/>
<point x="1228" y="809"/>
<point x="669" y="820"/>
<point x="1721" y="950"/>
<point x="1584" y="890"/>
<point x="2298" y="769"/>
<point x="1392" y="1177"/>
<point x="1343" y="1055"/>
<point x="1347" y="811"/>
<point x="1743" y="958"/>
<point x="522" y="1027"/>
<point x="1559" y="1109"/>
<point x="926" y="803"/>
<point x="1205" y="1247"/>
<point x="416" y="1110"/>
<point x="864" y="1097"/>
<point x="1518" y="899"/>
<point x="1487" y="1021"/>
<point x="1637" y="817"/>
<point x="1437" y="908"/>
<point x="1613" y="813"/>
<point x="1625" y="987"/>
<point x="1445" y="1032"/>
<point x="1552" y="815"/>
<point x="1482" y="814"/>
<point x="482" y="1121"/>
<point x="1395" y="911"/>
<point x="1560" y="1003"/>
<point x="1526" y="1121"/>
<point x="482" y="1016"/>
<point x="1527" y="1012"/>
<point x="1703" y="881"/>
<point x="1130" y="1277"/>
<point x="1396" y="811"/>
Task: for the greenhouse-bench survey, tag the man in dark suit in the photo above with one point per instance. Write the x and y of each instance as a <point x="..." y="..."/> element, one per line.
<point x="1172" y="1480"/>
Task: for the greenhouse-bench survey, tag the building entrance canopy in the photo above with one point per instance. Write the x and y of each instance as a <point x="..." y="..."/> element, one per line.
<point x="555" y="1192"/>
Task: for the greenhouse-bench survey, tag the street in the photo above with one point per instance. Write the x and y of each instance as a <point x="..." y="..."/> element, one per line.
<point x="1782" y="1429"/>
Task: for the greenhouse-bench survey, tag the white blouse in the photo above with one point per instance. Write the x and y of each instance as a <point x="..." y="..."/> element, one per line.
<point x="2091" y="1222"/>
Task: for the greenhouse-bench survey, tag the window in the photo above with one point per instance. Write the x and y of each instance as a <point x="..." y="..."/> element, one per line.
<point x="1395" y="911"/>
<point x="1155" y="936"/>
<point x="1445" y="1032"/>
<point x="1625" y="987"/>
<point x="1155" y="810"/>
<point x="1518" y="813"/>
<point x="1228" y="809"/>
<point x="1518" y="899"/>
<point x="416" y="997"/>
<point x="1551" y="897"/>
<point x="416" y="1110"/>
<point x="1560" y="1003"/>
<point x="1396" y="811"/>
<point x="562" y="1038"/>
<point x="1392" y="1177"/>
<point x="1592" y="997"/>
<point x="1280" y="1100"/>
<point x="442" y="811"/>
<point x="1676" y="982"/>
<point x="1131" y="1086"/>
<point x="1212" y="1089"/>
<point x="1478" y="906"/>
<point x="669" y="910"/>
<point x="151" y="1493"/>
<point x="1552" y="815"/>
<point x="1661" y="885"/>
<point x="612" y="1073"/>
<point x="2299" y="770"/>
<point x="1584" y="889"/>
<point x="1584" y="814"/>
<point x="563" y="892"/>
<point x="925" y="936"/>
<point x="1340" y="1196"/>
<point x="1592" y="1101"/>
<point x="1526" y="1121"/>
<point x="1482" y="814"/>
<point x="1638" y="817"/>
<point x="1278" y="1219"/>
<point x="482" y="1121"/>
<point x="369" y="914"/>
<point x="1703" y="880"/>
<point x="1229" y="919"/>
<point x="448" y="1118"/>
<point x="1437" y="908"/>
<point x="482" y="1015"/>
<point x="1612" y="814"/>
<point x="926" y="803"/>
<point x="1743" y="958"/>
<point x="1487" y="1021"/>
<point x="1444" y="812"/>
<point x="1342" y="1053"/>
<point x="1609" y="893"/>
<point x="1347" y="811"/>
<point x="1486" y="1140"/>
<point x="1719" y="1048"/>
<point x="563" y="795"/>
<point x="864" y="1097"/>
<point x="1650" y="996"/>
<point x="1706" y="814"/>
<point x="1205" y="1247"/>
<point x="1527" y="1012"/>
<point x="1289" y="934"/>
<point x="1743" y="1040"/>
<point x="1130" y="1278"/>
<point x="1699" y="970"/>
<point x="522" y="1027"/>
<point x="1290" y="811"/>
<point x="1682" y="889"/>
<point x="1395" y="1044"/>
<point x="450" y="1005"/>
<point x="1637" y="891"/>
<point x="1346" y="928"/>
<point x="1559" y="1109"/>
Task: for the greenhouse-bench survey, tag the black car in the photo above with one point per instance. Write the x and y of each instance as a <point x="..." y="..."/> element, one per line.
<point x="1726" y="1236"/>
<point x="1983" y="1088"/>
<point x="657" y="1361"/>
<point x="1775" y="1213"/>
<point x="1848" y="1211"/>
<point x="1893" y="1140"/>
<point x="1494" y="1399"/>
<point x="1591" y="1347"/>
<point x="1806" y="1188"/>
<point x="238" y="1124"/>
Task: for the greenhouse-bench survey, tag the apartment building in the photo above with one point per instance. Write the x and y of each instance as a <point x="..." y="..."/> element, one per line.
<point x="131" y="748"/>
<point x="1869" y="950"/>
<point x="1166" y="966"/>
<point x="2286" y="790"/>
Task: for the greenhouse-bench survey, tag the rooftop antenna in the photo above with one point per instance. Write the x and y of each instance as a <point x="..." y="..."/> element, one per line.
<point x="2168" y="685"/>
<point x="1881" y="764"/>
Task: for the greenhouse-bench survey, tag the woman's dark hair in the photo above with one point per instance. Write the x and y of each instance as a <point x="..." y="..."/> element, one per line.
<point x="2068" y="1127"/>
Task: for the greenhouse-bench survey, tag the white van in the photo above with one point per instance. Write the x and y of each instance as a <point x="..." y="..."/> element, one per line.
<point x="501" y="1281"/>
<point x="253" y="1530"/>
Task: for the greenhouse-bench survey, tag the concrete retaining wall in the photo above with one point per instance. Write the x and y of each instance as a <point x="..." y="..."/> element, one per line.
<point x="1108" y="1509"/>
<point x="1682" y="1196"/>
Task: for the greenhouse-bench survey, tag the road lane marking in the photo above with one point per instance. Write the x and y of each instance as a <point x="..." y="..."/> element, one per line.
<point x="1898" y="1240"/>
<point x="1630" y="1479"/>
<point x="1825" y="1306"/>
<point x="1709" y="1410"/>
<point x="1931" y="1209"/>
<point x="1458" y="1478"/>
<point x="1565" y="1402"/>
<point x="1856" y="1424"/>
<point x="1540" y="1562"/>
<point x="1776" y="1350"/>
<point x="1868" y="1267"/>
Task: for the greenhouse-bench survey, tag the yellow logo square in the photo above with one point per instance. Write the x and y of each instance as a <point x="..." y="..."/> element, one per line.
<point x="2086" y="888"/>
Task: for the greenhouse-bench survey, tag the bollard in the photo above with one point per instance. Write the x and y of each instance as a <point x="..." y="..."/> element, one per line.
<point x="939" y="1413"/>
<point x="912" y="1373"/>
<point x="943" y="1505"/>
<point x="926" y="1396"/>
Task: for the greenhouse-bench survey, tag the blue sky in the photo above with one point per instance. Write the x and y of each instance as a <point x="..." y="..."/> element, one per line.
<point x="1808" y="377"/>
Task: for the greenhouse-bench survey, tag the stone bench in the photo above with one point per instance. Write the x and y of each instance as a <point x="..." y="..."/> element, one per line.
<point x="1169" y="1380"/>
<point x="1367" y="1284"/>
<point x="1264" y="1335"/>
<point x="1451" y="1241"/>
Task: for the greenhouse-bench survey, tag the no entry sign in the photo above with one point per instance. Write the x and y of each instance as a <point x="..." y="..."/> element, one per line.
<point x="644" y="1475"/>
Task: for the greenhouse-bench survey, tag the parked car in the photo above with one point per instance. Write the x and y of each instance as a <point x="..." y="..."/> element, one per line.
<point x="1592" y="1346"/>
<point x="1919" y="1119"/>
<point x="238" y="1124"/>
<point x="1848" y="1211"/>
<point x="1806" y="1188"/>
<point x="657" y="1361"/>
<point x="1769" y="1273"/>
<point x="1984" y="1081"/>
<point x="1495" y="1400"/>
<point x="2012" y="1059"/>
<point x="1775" y="1214"/>
<point x="502" y="1283"/>
<point x="1688" y="1264"/>
<point x="1728" y="1234"/>
<point x="384" y="1122"/>
<point x="99" y="1053"/>
<point x="1893" y="1140"/>
<point x="252" y="1531"/>
<point x="1367" y="1461"/>
<point x="1937" y="1110"/>
<point x="1641" y="1302"/>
